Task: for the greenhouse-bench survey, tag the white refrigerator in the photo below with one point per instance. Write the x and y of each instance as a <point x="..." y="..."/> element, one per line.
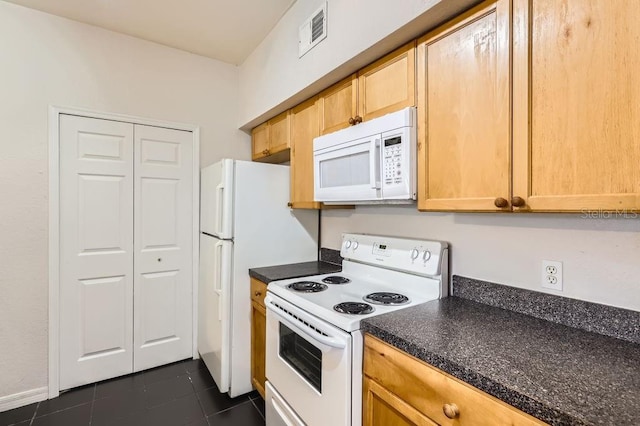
<point x="244" y="223"/>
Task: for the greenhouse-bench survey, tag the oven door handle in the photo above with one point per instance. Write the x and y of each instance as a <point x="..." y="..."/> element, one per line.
<point x="331" y="341"/>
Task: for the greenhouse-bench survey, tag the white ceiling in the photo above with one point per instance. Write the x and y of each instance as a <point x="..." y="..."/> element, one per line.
<point x="227" y="30"/>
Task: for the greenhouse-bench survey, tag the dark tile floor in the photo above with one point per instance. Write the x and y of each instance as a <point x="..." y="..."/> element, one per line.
<point x="182" y="393"/>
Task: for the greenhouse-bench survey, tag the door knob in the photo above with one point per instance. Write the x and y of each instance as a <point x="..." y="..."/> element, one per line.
<point x="352" y="121"/>
<point x="518" y="202"/>
<point x="159" y="259"/>
<point x="451" y="410"/>
<point x="501" y="203"/>
<point x="357" y="119"/>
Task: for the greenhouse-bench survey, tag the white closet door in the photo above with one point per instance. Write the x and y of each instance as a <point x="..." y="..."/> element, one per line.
<point x="163" y="246"/>
<point x="96" y="250"/>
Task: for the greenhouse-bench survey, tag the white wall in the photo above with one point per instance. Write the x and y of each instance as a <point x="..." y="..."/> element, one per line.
<point x="601" y="257"/>
<point x="48" y="60"/>
<point x="273" y="78"/>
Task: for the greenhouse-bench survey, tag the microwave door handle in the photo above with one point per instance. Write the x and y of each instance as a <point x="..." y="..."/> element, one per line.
<point x="374" y="163"/>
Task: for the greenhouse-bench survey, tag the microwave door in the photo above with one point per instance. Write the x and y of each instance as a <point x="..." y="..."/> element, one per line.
<point x="348" y="171"/>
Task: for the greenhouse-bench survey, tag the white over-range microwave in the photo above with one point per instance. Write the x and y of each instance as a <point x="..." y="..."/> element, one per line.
<point x="370" y="163"/>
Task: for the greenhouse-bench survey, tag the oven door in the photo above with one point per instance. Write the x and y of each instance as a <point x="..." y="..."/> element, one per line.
<point x="308" y="362"/>
<point x="348" y="171"/>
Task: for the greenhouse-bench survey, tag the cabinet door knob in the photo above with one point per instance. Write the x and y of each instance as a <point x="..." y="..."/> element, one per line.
<point x="257" y="293"/>
<point x="501" y="203"/>
<point x="451" y="410"/>
<point x="265" y="152"/>
<point x="358" y="119"/>
<point x="352" y="121"/>
<point x="289" y="204"/>
<point x="518" y="202"/>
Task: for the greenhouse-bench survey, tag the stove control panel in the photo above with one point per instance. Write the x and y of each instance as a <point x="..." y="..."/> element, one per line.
<point x="422" y="257"/>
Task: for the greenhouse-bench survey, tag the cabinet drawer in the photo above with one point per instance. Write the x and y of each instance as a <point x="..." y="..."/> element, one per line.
<point x="258" y="291"/>
<point x="431" y="391"/>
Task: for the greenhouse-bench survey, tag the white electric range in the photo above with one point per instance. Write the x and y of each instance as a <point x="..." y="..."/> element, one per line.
<point x="314" y="345"/>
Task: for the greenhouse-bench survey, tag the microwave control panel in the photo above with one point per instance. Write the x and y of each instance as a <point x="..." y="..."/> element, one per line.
<point x="392" y="161"/>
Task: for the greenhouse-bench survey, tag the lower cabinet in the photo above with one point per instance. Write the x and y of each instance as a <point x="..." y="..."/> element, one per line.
<point x="400" y="390"/>
<point x="258" y="334"/>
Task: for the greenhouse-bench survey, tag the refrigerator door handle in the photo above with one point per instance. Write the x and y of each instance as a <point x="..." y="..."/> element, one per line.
<point x="219" y="208"/>
<point x="217" y="281"/>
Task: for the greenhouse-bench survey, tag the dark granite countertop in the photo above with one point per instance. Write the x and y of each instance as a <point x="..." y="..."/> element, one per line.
<point x="293" y="270"/>
<point x="559" y="374"/>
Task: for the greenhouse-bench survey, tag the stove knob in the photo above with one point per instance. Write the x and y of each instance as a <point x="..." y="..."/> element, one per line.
<point x="414" y="254"/>
<point x="426" y="255"/>
<point x="355" y="245"/>
<point x="347" y="244"/>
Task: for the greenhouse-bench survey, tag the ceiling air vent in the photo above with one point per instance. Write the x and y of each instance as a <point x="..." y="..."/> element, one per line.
<point x="313" y="31"/>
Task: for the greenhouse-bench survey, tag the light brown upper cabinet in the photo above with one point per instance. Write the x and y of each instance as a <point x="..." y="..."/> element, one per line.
<point x="270" y="141"/>
<point x="304" y="127"/>
<point x="576" y="108"/>
<point x="385" y="86"/>
<point x="464" y="146"/>
<point x="574" y="117"/>
<point x="338" y="105"/>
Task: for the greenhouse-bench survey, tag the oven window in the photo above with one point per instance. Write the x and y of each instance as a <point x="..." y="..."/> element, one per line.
<point x="305" y="358"/>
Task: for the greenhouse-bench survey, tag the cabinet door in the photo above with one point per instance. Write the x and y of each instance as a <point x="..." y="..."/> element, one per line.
<point x="304" y="127"/>
<point x="163" y="246"/>
<point x="279" y="133"/>
<point x="464" y="112"/>
<point x="388" y="84"/>
<point x="260" y="141"/>
<point x="258" y="344"/>
<point x="381" y="407"/>
<point x="577" y="104"/>
<point x="337" y="105"/>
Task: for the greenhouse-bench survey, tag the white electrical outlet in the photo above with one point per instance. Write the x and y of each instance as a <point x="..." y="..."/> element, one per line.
<point x="552" y="274"/>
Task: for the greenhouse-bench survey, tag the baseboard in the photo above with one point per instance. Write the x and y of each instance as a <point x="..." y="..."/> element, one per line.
<point x="23" y="398"/>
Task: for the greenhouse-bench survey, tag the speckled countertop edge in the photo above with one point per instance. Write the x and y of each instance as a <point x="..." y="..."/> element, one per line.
<point x="293" y="270"/>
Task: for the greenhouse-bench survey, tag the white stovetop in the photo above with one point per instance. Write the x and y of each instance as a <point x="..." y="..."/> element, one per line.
<point x="364" y="280"/>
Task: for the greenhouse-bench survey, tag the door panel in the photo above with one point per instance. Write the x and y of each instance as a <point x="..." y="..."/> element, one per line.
<point x="103" y="302"/>
<point x="388" y="84"/>
<point x="576" y="105"/>
<point x="163" y="246"/>
<point x="464" y="109"/>
<point x="96" y="250"/>
<point x="337" y="105"/>
<point x="159" y="292"/>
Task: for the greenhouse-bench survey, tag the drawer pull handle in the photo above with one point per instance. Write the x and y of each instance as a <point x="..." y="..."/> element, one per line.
<point x="451" y="410"/>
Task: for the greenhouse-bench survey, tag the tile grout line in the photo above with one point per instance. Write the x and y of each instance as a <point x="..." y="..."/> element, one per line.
<point x="197" y="397"/>
<point x="93" y="401"/>
<point x="232" y="407"/>
<point x="256" y="407"/>
<point x="33" y="417"/>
